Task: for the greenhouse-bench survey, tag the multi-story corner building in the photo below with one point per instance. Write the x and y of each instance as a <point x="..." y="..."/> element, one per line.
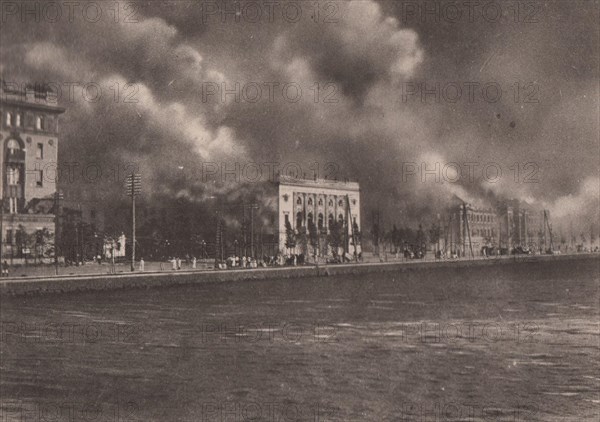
<point x="468" y="226"/>
<point x="302" y="203"/>
<point x="29" y="135"/>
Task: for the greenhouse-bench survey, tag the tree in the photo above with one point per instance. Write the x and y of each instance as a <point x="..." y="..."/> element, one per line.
<point x="335" y="236"/>
<point x="395" y="238"/>
<point x="302" y="240"/>
<point x="434" y="235"/>
<point x="313" y="236"/>
<point x="290" y="236"/>
<point x="44" y="243"/>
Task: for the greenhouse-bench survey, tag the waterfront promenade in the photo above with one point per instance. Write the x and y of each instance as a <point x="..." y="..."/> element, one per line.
<point x="101" y="277"/>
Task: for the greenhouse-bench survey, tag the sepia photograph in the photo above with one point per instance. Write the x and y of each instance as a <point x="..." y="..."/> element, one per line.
<point x="299" y="210"/>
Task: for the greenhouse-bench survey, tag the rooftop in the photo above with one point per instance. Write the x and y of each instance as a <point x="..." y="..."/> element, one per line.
<point x="318" y="183"/>
<point x="38" y="94"/>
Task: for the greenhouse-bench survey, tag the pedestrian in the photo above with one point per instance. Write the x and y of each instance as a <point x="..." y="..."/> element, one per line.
<point x="174" y="263"/>
<point x="142" y="264"/>
<point x="5" y="269"/>
<point x="178" y="263"/>
<point x="194" y="263"/>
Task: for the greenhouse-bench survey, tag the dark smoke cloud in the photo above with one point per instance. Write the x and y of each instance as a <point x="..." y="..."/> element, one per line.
<point x="363" y="60"/>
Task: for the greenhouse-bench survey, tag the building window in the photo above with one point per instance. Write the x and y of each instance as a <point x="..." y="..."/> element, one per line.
<point x="330" y="220"/>
<point x="299" y="201"/>
<point x="9" y="236"/>
<point x="39" y="178"/>
<point x="341" y="219"/>
<point x="39" y="123"/>
<point x="320" y="202"/>
<point x="12" y="175"/>
<point x="310" y="201"/>
<point x="13" y="146"/>
<point x="39" y="152"/>
<point x="287" y="219"/>
<point x="12" y="205"/>
<point x="299" y="220"/>
<point x="9" y="119"/>
<point x="330" y="203"/>
<point x="320" y="221"/>
<point x="18" y="120"/>
<point x="310" y="218"/>
<point x="341" y="203"/>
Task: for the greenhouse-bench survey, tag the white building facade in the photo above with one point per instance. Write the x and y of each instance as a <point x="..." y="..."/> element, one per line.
<point x="320" y="202"/>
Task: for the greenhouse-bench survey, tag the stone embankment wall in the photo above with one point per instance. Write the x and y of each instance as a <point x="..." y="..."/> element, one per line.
<point x="150" y="280"/>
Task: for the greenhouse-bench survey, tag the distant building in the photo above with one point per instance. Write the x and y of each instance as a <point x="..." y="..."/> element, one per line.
<point x="29" y="135"/>
<point x="505" y="225"/>
<point x="302" y="203"/>
<point x="468" y="226"/>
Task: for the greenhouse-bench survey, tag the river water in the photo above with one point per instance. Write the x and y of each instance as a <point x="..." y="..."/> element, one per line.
<point x="498" y="343"/>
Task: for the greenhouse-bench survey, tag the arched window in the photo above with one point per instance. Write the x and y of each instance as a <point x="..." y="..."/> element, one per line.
<point x="341" y="203"/>
<point x="341" y="219"/>
<point x="320" y="221"/>
<point x="39" y="123"/>
<point x="299" y="201"/>
<point x="13" y="146"/>
<point x="320" y="201"/>
<point x="330" y="220"/>
<point x="331" y="203"/>
<point x="310" y="218"/>
<point x="9" y="118"/>
<point x="310" y="201"/>
<point x="298" y="220"/>
<point x="18" y="120"/>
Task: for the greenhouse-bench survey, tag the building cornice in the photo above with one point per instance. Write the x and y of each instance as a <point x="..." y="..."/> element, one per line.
<point x="33" y="105"/>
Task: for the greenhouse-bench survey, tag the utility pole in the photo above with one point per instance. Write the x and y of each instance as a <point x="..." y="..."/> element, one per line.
<point x="252" y="207"/>
<point x="133" y="187"/>
<point x="2" y="233"/>
<point x="58" y="196"/>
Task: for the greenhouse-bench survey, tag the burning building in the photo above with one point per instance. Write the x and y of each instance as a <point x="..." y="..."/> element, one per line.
<point x="504" y="226"/>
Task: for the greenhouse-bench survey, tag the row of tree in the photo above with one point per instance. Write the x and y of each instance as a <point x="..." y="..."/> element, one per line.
<point x="35" y="245"/>
<point x="325" y="241"/>
<point x="399" y="239"/>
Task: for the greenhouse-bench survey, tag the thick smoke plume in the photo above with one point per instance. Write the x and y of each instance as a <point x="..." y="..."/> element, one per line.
<point x="164" y="108"/>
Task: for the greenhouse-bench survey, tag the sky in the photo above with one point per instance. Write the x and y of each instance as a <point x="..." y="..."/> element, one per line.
<point x="418" y="101"/>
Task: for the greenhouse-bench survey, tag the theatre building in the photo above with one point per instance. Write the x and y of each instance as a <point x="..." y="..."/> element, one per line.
<point x="319" y="203"/>
<point x="28" y="161"/>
